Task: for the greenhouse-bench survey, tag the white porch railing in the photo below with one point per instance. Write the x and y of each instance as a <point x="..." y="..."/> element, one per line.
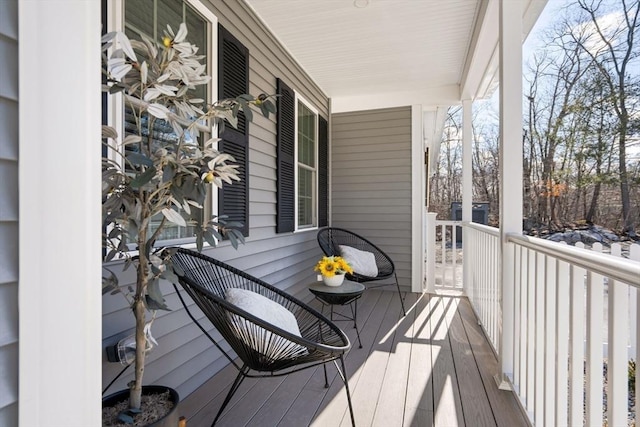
<point x="444" y="254"/>
<point x="482" y="277"/>
<point x="570" y="303"/>
<point x="575" y="313"/>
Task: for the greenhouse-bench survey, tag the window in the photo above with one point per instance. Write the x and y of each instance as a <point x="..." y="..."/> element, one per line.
<point x="150" y="18"/>
<point x="302" y="163"/>
<point x="307" y="176"/>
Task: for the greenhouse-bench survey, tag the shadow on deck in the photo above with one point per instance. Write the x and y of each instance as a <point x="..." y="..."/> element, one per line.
<point x="433" y="367"/>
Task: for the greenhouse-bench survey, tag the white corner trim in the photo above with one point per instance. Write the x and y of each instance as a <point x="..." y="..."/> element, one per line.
<point x="60" y="298"/>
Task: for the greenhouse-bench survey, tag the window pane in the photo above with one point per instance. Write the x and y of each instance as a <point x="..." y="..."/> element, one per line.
<point x="306" y="197"/>
<point x="306" y="135"/>
<point x="151" y="19"/>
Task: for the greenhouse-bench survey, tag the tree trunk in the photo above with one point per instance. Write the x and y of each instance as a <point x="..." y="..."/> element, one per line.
<point x="139" y="311"/>
<point x="624" y="180"/>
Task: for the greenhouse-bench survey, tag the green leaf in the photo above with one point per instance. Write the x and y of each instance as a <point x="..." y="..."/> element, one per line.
<point x="208" y="236"/>
<point x="125" y="418"/>
<point x="143" y="178"/>
<point x="216" y="234"/>
<point x="110" y="255"/>
<point x="154" y="305"/>
<point x="170" y="276"/>
<point x="174" y="217"/>
<point x="248" y="114"/>
<point x="233" y="239"/>
<point x="268" y="107"/>
<point x="139" y="159"/>
<point x="154" y="292"/>
<point x="117" y="87"/>
<point x="177" y="269"/>
<point x="168" y="173"/>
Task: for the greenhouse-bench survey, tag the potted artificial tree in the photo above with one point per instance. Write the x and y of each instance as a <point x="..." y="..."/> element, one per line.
<point x="159" y="173"/>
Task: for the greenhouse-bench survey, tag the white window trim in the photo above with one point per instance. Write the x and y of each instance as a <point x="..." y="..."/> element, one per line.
<point x="115" y="105"/>
<point x="299" y="98"/>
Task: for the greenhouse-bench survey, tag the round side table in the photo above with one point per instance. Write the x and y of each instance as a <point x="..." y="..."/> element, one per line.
<point x="346" y="294"/>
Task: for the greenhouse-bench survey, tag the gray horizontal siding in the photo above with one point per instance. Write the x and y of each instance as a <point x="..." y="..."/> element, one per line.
<point x="371" y="180"/>
<point x="185" y="358"/>
<point x="9" y="213"/>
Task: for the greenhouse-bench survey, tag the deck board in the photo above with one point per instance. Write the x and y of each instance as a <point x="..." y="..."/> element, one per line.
<point x="447" y="402"/>
<point x="334" y="406"/>
<point x="504" y="405"/>
<point x="432" y="367"/>
<point x="390" y="409"/>
<point x="476" y="406"/>
<point x="419" y="398"/>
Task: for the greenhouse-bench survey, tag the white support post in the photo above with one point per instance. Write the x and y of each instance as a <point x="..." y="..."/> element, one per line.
<point x="418" y="194"/>
<point x="510" y="47"/>
<point x="430" y="237"/>
<point x="467" y="187"/>
<point x="60" y="298"/>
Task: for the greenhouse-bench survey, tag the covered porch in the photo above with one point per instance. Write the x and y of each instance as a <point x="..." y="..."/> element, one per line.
<point x="437" y="365"/>
<point x="433" y="367"/>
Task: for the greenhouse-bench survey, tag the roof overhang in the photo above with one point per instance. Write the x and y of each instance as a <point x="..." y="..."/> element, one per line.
<point x="368" y="54"/>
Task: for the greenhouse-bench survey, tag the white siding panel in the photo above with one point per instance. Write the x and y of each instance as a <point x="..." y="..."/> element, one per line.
<point x="371" y="180"/>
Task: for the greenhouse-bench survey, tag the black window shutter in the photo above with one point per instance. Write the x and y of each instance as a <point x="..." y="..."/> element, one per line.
<point x="286" y="190"/>
<point x="233" y="80"/>
<point x="323" y="173"/>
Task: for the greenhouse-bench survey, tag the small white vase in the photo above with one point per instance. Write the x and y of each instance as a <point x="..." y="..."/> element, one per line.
<point x="334" y="280"/>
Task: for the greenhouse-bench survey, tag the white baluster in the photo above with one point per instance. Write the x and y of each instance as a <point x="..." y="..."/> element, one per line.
<point x="594" y="346"/>
<point x="540" y="334"/>
<point x="550" y="342"/>
<point x="618" y="311"/>
<point x="562" y="343"/>
<point x="577" y="346"/>
<point x="634" y="254"/>
<point x="531" y="331"/>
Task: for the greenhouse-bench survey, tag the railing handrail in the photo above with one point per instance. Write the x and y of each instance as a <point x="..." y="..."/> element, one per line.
<point x="448" y="222"/>
<point x="622" y="269"/>
<point x="493" y="231"/>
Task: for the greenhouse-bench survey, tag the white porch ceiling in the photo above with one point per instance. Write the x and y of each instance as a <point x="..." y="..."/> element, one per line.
<point x="401" y="52"/>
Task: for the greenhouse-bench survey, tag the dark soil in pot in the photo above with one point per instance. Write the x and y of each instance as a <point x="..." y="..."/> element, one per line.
<point x="159" y="408"/>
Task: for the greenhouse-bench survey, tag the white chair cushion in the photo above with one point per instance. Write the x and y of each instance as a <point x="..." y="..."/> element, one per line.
<point x="362" y="262"/>
<point x="271" y="312"/>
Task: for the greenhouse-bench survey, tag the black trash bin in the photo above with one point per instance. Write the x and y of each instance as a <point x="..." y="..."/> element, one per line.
<point x="479" y="215"/>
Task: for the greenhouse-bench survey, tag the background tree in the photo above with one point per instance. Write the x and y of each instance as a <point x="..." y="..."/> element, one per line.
<point x="581" y="134"/>
<point x="611" y="46"/>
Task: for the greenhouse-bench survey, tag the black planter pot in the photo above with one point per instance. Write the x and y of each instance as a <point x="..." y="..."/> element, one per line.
<point x="169" y="420"/>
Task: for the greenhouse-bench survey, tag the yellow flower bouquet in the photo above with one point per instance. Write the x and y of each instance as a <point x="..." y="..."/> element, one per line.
<point x="329" y="266"/>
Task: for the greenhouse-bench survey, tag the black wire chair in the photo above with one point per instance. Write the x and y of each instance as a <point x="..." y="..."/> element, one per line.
<point x="263" y="349"/>
<point x="330" y="239"/>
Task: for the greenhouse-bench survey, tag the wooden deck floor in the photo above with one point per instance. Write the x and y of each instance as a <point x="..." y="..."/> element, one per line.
<point x="430" y="368"/>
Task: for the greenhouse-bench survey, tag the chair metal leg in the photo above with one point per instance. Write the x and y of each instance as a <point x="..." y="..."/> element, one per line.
<point x="234" y="387"/>
<point x="343" y="374"/>
<point x="404" y="313"/>
<point x="326" y="378"/>
<point x="354" y="314"/>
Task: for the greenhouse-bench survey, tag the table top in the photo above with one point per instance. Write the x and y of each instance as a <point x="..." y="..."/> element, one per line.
<point x="347" y="288"/>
